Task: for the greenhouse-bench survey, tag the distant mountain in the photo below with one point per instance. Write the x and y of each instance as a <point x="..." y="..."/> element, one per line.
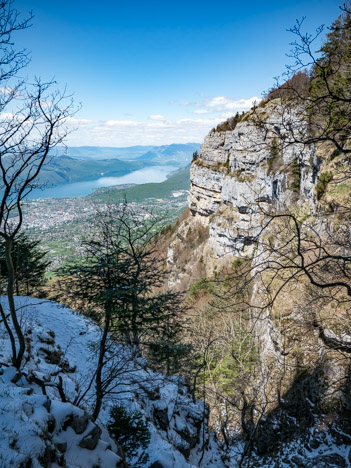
<point x="178" y="154"/>
<point x="101" y="152"/>
<point x="65" y="169"/>
<point x="179" y="180"/>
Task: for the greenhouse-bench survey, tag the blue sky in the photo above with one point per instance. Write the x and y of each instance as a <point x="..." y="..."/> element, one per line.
<point x="157" y="72"/>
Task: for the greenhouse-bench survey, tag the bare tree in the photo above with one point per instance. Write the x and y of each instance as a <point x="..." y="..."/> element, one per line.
<point x="118" y="282"/>
<point x="295" y="244"/>
<point x="32" y="121"/>
<point x="298" y="271"/>
<point x="316" y="90"/>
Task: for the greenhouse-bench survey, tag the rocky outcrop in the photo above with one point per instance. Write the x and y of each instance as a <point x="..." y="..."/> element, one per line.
<point x="40" y="431"/>
<point x="241" y="177"/>
<point x="41" y="424"/>
<point x="241" y="173"/>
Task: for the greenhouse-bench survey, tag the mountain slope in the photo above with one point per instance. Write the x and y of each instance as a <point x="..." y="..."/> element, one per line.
<point x="179" y="154"/>
<point x="242" y="258"/>
<point x="60" y="343"/>
<point x="180" y="180"/>
<point x="101" y="152"/>
<point x="65" y="169"/>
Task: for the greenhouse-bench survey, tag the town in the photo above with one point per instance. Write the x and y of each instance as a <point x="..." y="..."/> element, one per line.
<point x="62" y="224"/>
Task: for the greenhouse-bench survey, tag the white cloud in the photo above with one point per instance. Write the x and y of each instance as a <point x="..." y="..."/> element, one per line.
<point x="130" y="132"/>
<point x="121" y="123"/>
<point x="75" y="121"/>
<point x="225" y="103"/>
<point x="190" y="104"/>
<point x="203" y="111"/>
<point x="157" y="117"/>
<point x="226" y="115"/>
<point x="157" y="129"/>
<point x="220" y="104"/>
<point x="216" y="101"/>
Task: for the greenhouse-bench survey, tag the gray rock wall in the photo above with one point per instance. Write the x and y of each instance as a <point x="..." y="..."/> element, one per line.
<point x="235" y="179"/>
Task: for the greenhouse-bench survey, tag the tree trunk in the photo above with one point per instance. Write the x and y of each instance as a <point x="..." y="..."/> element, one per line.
<point x="17" y="360"/>
<point x="102" y="351"/>
<point x="9" y="331"/>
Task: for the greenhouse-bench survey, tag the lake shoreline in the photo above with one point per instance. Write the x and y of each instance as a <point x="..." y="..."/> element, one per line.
<point x="151" y="174"/>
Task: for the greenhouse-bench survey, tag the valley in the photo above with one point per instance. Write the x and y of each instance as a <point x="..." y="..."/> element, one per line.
<point x="62" y="224"/>
<point x="171" y="305"/>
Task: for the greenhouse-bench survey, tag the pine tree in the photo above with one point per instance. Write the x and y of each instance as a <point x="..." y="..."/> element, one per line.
<point x="119" y="278"/>
<point x="29" y="262"/>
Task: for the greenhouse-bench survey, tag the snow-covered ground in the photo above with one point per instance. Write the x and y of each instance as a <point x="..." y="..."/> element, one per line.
<point x="49" y="432"/>
<point x="40" y="430"/>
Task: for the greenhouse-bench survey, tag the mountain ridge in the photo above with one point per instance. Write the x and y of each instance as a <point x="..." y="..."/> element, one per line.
<point x="185" y="150"/>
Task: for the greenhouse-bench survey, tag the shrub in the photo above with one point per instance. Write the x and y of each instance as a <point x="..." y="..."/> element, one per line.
<point x="226" y="164"/>
<point x="274" y="156"/>
<point x="295" y="86"/>
<point x="130" y="431"/>
<point x="229" y="124"/>
<point x="201" y="285"/>
<point x="323" y="181"/>
<point x="296" y="176"/>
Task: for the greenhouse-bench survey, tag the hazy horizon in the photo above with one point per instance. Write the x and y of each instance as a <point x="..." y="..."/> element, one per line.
<point x="150" y="73"/>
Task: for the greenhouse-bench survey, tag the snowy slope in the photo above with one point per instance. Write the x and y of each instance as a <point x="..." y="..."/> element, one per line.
<point x="61" y="344"/>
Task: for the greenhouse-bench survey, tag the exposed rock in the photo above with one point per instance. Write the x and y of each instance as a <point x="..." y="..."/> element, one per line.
<point x="156" y="464"/>
<point x="27" y="409"/>
<point x="234" y="170"/>
<point x="190" y="437"/>
<point x="91" y="439"/>
<point x="333" y="460"/>
<point x="298" y="461"/>
<point x="161" y="416"/>
<point x="51" y="423"/>
<point x="52" y="356"/>
<point x="153" y="393"/>
<point x="79" y="424"/>
<point x="47" y="404"/>
<point x="61" y="446"/>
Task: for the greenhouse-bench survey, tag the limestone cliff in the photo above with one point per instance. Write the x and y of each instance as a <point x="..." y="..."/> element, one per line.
<point x="239" y="169"/>
<point x="241" y="177"/>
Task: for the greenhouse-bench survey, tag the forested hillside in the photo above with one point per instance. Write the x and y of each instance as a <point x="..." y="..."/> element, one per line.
<point x="266" y="249"/>
<point x="222" y="340"/>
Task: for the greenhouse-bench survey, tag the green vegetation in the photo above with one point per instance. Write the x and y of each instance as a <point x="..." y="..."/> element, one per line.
<point x="178" y="181"/>
<point x="323" y="181"/>
<point x="195" y="237"/>
<point x="295" y="176"/>
<point x="131" y="432"/>
<point x="225" y="354"/>
<point x="170" y="228"/>
<point x="229" y="124"/>
<point x="274" y="155"/>
<point x="119" y="277"/>
<point x="202" y="285"/>
<point x="331" y="83"/>
<point x="234" y="367"/>
<point x="30" y="265"/>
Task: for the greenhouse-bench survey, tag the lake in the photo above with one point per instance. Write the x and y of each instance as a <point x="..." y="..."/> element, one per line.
<point x="83" y="188"/>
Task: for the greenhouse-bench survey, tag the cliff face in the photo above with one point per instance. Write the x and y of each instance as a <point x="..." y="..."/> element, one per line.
<point x="239" y="175"/>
